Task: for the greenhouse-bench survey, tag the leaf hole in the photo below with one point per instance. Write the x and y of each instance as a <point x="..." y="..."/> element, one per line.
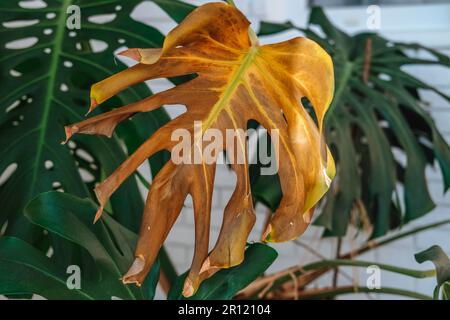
<point x="49" y="165"/>
<point x="50" y="251"/>
<point x="13" y="106"/>
<point x="68" y="64"/>
<point x="56" y="185"/>
<point x="3" y="229"/>
<point x="19" y="23"/>
<point x="307" y="105"/>
<point x="384" y="77"/>
<point x="63" y="87"/>
<point x="72" y="145"/>
<point x="7" y="173"/>
<point x="15" y="73"/>
<point x="98" y="45"/>
<point x="84" y="155"/>
<point x="102" y="18"/>
<point x="21" y="43"/>
<point x="33" y="4"/>
<point x="86" y="175"/>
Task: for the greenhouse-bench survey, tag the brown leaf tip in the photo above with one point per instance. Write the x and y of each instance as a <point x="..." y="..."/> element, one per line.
<point x="266" y="237"/>
<point x="132" y="54"/>
<point x="94" y="104"/>
<point x="101" y="201"/>
<point x="133" y="273"/>
<point x="188" y="289"/>
<point x="98" y="214"/>
<point x="206" y="266"/>
<point x="69" y="131"/>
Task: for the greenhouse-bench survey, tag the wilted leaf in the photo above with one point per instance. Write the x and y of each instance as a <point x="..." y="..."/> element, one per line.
<point x="237" y="81"/>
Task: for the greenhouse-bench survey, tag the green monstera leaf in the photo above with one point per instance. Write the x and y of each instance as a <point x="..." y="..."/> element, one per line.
<point x="108" y="245"/>
<point x="437" y="256"/>
<point x="46" y="71"/>
<point x="376" y="115"/>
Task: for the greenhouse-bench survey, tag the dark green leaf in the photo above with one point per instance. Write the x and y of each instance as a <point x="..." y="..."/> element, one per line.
<point x="177" y="10"/>
<point x="108" y="243"/>
<point x="46" y="86"/>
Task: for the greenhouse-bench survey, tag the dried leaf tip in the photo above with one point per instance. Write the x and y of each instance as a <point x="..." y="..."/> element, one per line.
<point x="69" y="131"/>
<point x="136" y="268"/>
<point x="266" y="235"/>
<point x="98" y="214"/>
<point x="132" y="54"/>
<point x="188" y="289"/>
<point x="94" y="104"/>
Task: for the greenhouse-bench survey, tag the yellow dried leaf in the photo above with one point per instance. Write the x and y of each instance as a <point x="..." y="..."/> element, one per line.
<point x="237" y="80"/>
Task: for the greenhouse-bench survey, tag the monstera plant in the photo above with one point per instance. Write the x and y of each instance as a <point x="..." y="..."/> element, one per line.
<point x="227" y="80"/>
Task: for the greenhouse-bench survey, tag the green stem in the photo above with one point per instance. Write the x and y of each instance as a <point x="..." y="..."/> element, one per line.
<point x="401" y="235"/>
<point x="356" y="263"/>
<point x="326" y="293"/>
<point x="328" y="264"/>
<point x="372" y="245"/>
<point x="231" y="3"/>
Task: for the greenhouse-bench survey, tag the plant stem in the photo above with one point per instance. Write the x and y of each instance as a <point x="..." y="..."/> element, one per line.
<point x="231" y="3"/>
<point x="356" y="263"/>
<point x="338" y="253"/>
<point x="331" y="292"/>
<point x="280" y="277"/>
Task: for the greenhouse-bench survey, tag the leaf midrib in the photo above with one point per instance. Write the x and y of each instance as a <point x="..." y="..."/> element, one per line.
<point x="56" y="52"/>
<point x="236" y="79"/>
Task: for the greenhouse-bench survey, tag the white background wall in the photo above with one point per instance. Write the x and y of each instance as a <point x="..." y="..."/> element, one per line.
<point x="429" y="25"/>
